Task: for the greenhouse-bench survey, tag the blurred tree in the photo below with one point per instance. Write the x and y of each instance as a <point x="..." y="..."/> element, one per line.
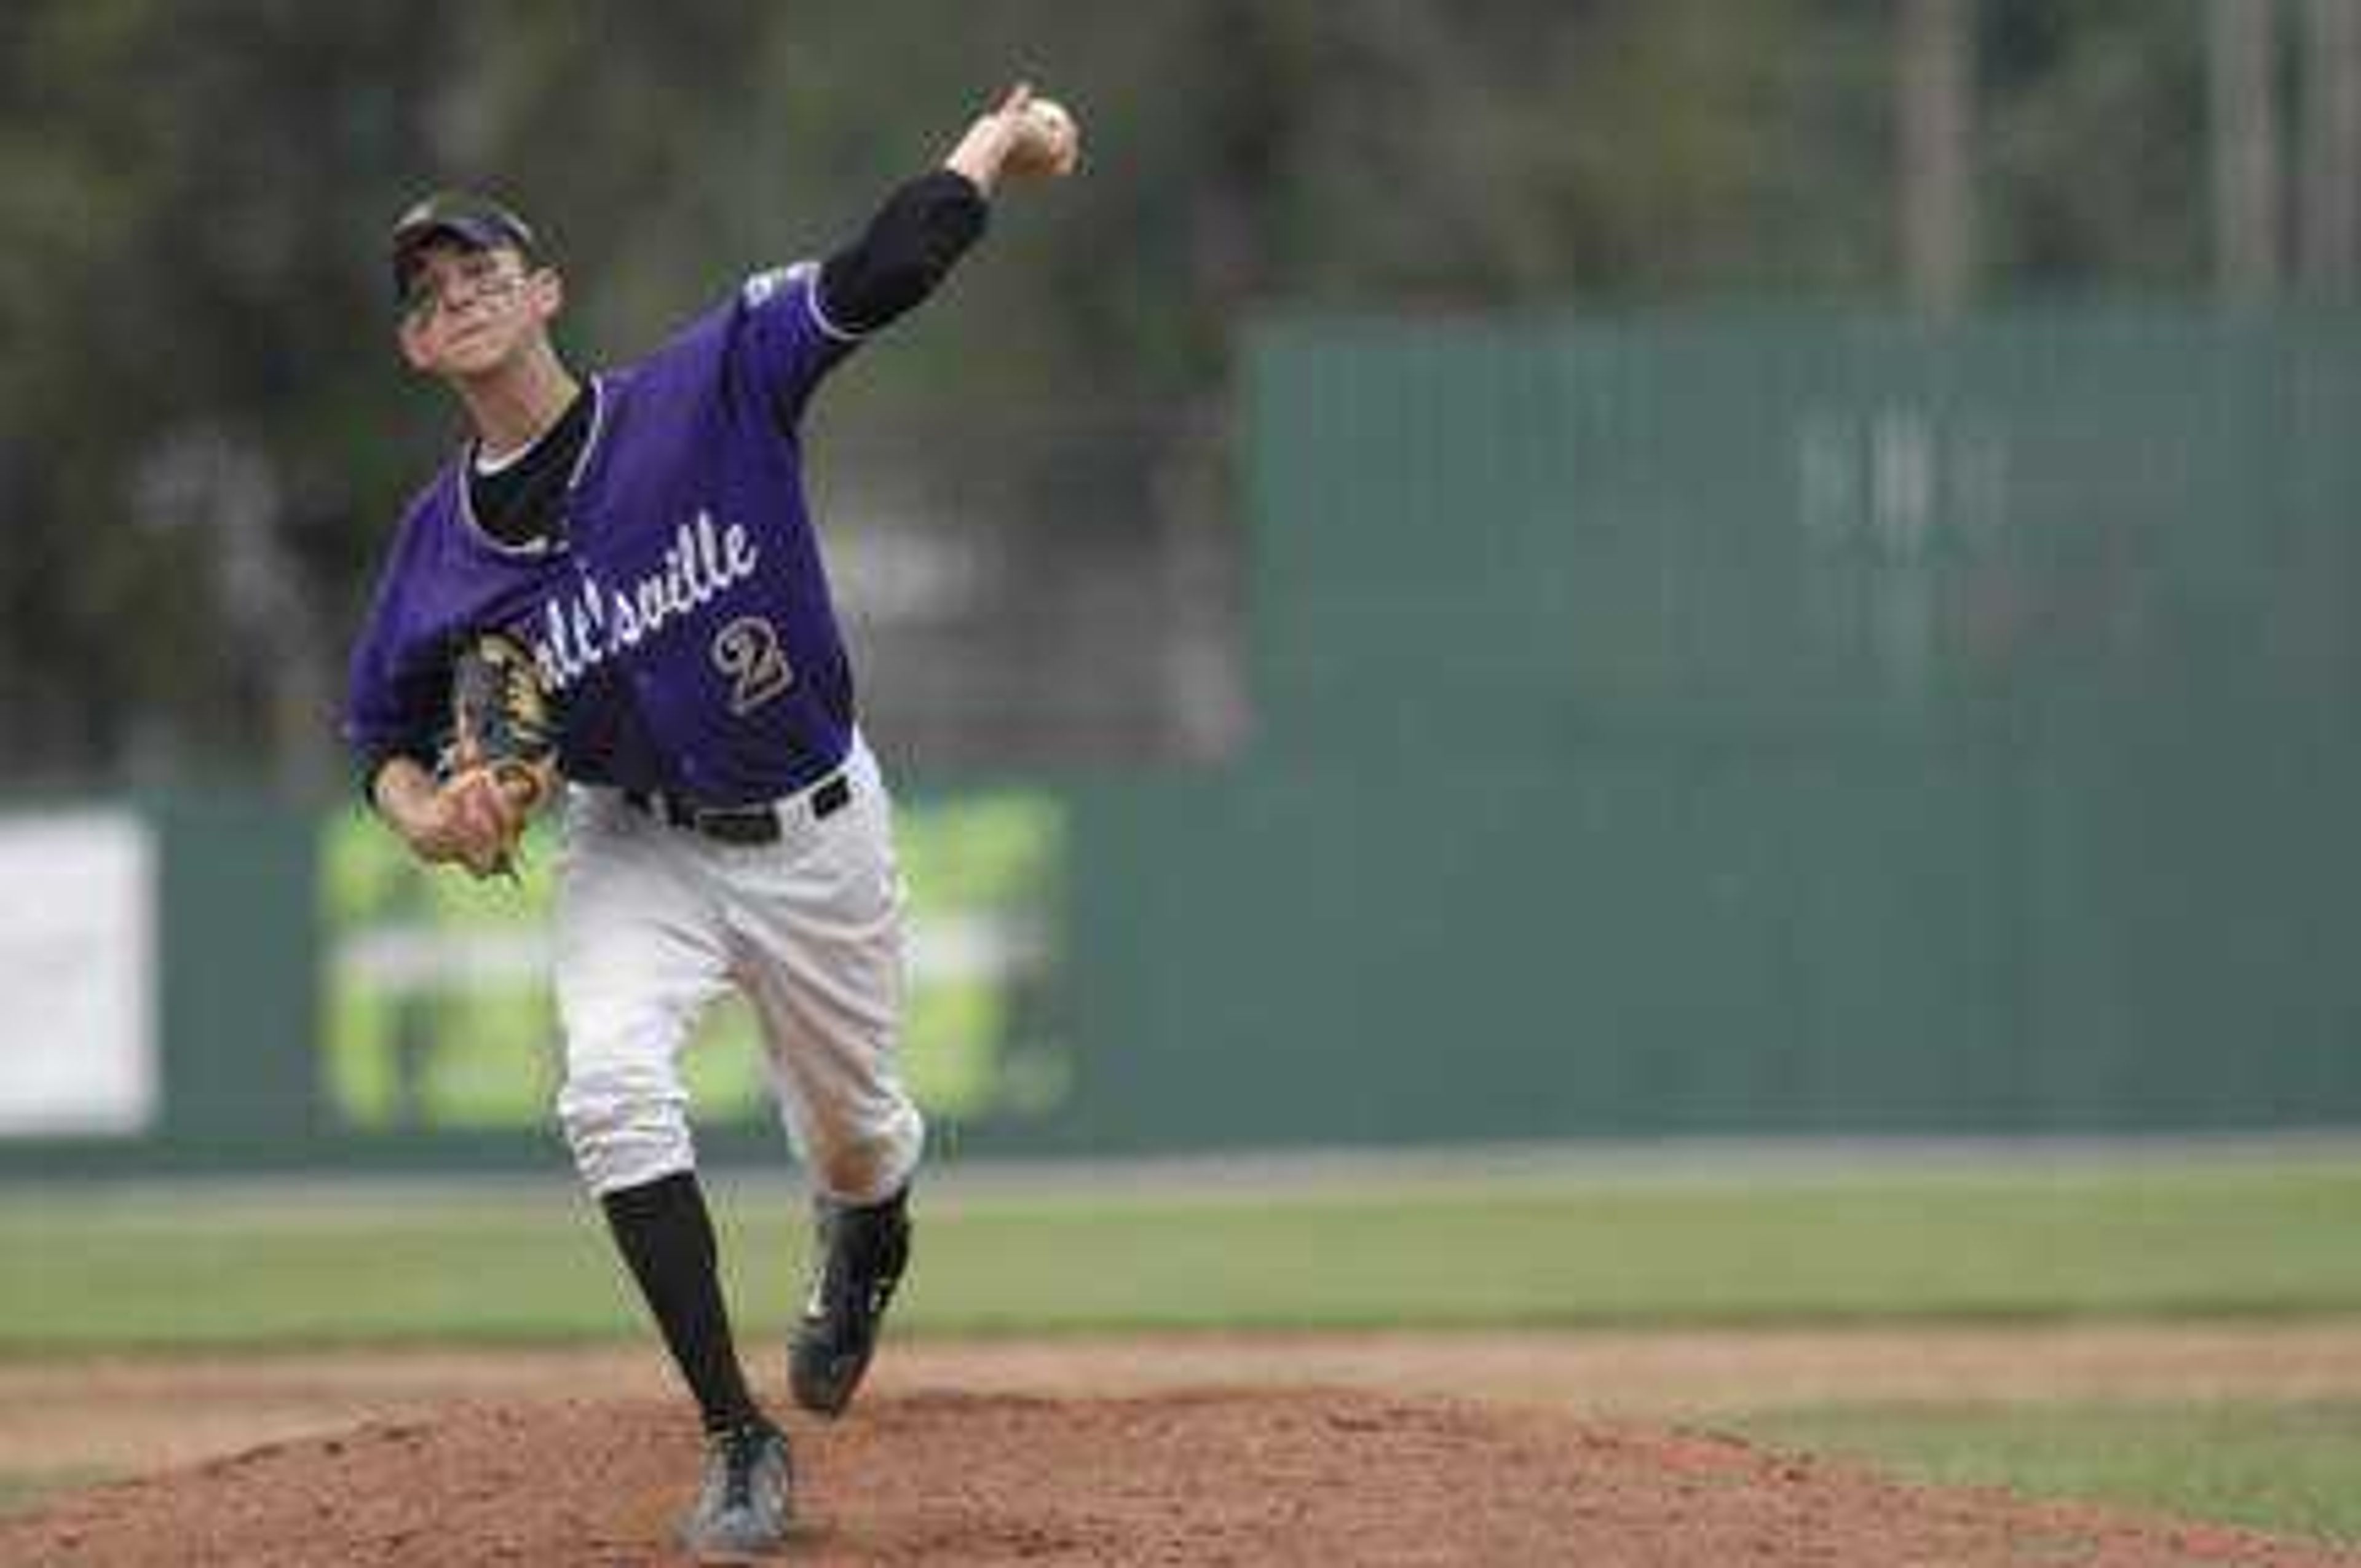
<point x="1935" y="73"/>
<point x="2332" y="148"/>
<point x="203" y="434"/>
<point x="2243" y="57"/>
<point x="191" y="386"/>
<point x="2093" y="146"/>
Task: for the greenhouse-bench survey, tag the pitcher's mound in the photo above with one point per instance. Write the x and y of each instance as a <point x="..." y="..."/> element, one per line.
<point x="1314" y="1478"/>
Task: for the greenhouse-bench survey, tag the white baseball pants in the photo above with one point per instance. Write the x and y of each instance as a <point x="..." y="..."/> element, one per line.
<point x="655" y="921"/>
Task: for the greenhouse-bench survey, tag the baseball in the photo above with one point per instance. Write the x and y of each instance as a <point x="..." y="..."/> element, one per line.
<point x="1051" y="144"/>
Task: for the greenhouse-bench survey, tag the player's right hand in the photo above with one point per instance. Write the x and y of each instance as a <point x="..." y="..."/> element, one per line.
<point x="1023" y="136"/>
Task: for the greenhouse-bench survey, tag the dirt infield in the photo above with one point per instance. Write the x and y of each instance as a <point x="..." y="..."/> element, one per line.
<point x="1261" y="1478"/>
<point x="1494" y="1449"/>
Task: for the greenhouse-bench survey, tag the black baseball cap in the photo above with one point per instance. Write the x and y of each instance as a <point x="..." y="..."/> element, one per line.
<point x="475" y="221"/>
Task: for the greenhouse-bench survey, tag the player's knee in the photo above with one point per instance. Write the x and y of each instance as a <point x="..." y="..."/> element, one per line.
<point x="863" y="1165"/>
<point x="626" y="1124"/>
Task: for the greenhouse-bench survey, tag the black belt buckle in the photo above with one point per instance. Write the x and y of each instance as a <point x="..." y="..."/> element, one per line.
<point x="830" y="797"/>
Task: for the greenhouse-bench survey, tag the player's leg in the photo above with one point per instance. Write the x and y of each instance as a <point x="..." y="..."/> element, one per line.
<point x="639" y="954"/>
<point x="818" y="929"/>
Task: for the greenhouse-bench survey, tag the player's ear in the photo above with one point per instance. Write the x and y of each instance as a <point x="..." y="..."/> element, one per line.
<point x="411" y="332"/>
<point x="548" y="295"/>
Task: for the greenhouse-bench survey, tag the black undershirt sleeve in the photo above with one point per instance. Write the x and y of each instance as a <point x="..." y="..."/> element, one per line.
<point x="923" y="229"/>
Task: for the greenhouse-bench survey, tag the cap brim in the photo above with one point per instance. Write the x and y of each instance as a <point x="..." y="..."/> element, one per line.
<point x="476" y="234"/>
<point x="473" y="231"/>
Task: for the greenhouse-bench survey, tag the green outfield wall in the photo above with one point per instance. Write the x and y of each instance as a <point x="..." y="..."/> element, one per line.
<point x="1749" y="725"/>
<point x="1763" y="725"/>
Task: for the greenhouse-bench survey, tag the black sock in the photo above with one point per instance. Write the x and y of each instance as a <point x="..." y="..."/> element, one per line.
<point x="667" y="1236"/>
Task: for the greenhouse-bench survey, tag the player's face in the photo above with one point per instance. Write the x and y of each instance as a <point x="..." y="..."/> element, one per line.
<point x="470" y="312"/>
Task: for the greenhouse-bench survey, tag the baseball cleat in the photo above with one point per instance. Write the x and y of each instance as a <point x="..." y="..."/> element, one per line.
<point x="745" y="1503"/>
<point x="860" y="1254"/>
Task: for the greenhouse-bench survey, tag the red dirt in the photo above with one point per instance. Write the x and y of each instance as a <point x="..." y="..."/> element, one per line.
<point x="1328" y="1478"/>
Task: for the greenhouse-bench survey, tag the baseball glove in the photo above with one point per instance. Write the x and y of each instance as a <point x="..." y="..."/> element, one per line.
<point x="502" y="726"/>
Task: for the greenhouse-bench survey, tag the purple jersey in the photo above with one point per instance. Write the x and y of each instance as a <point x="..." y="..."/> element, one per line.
<point x="683" y="619"/>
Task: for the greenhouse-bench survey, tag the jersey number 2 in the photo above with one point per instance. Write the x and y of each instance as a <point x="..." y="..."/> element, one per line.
<point x="748" y="651"/>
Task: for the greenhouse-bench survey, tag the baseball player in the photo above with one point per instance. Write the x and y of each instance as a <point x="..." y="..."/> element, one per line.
<point x="643" y="532"/>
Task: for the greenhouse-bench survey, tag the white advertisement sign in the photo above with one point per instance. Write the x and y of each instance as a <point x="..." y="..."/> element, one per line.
<point x="77" y="974"/>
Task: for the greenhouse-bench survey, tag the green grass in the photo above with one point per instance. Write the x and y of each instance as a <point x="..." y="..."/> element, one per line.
<point x="22" y="1491"/>
<point x="104" y="1269"/>
<point x="2288" y="1468"/>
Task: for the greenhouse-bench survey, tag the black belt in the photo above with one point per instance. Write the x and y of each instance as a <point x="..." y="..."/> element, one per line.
<point x="745" y="823"/>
